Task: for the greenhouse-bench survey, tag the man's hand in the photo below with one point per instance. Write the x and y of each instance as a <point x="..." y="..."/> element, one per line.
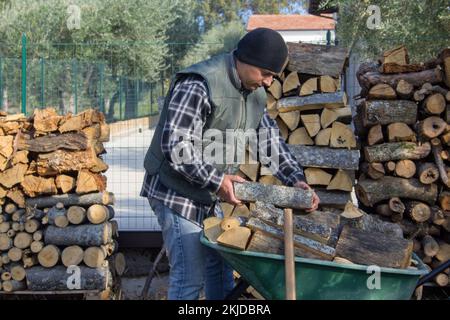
<point x="226" y="190"/>
<point x="315" y="200"/>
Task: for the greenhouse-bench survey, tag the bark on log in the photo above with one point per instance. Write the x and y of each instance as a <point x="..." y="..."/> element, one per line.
<point x="81" y="120"/>
<point x="65" y="183"/>
<point x="370" y="192"/>
<point x="437" y="148"/>
<point x="33" y="186"/>
<point x="62" y="161"/>
<point x="312" y="102"/>
<point x="105" y="198"/>
<point x="318" y="157"/>
<point x="54" y="279"/>
<point x="82" y="235"/>
<point x="288" y="197"/>
<point x="396" y="151"/>
<point x="374" y="248"/>
<point x="74" y="141"/>
<point x="331" y="198"/>
<point x="385" y="112"/>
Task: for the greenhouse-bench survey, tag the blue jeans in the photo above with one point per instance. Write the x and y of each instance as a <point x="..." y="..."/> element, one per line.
<point x="193" y="266"/>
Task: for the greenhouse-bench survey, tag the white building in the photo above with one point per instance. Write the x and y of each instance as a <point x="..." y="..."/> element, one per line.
<point x="296" y="27"/>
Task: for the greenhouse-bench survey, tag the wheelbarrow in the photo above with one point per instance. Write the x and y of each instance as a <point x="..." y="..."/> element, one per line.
<point x="321" y="280"/>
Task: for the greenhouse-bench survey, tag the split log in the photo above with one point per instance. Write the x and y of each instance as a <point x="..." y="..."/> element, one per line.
<point x="270" y="180"/>
<point x="341" y="181"/>
<point x="328" y="116"/>
<point x="212" y="228"/>
<point x="49" y="256"/>
<point x="15" y="175"/>
<point x="375" y="170"/>
<point x="236" y="237"/>
<point x="76" y="215"/>
<point x="57" y="215"/>
<point x="400" y="131"/>
<point x="250" y="170"/>
<point x="291" y="119"/>
<point x="291" y="82"/>
<point x="90" y="182"/>
<point x="61" y="161"/>
<point x="405" y="168"/>
<point x="382" y="91"/>
<point x="16" y="195"/>
<point x="288" y="197"/>
<point x="396" y="151"/>
<point x="434" y="104"/>
<point x="241" y="211"/>
<point x="437" y="148"/>
<point x="57" y="278"/>
<point x="315" y="176"/>
<point x="323" y="137"/>
<point x="302" y="226"/>
<point x="370" y="192"/>
<point x="342" y="136"/>
<point x="97" y="213"/>
<point x="418" y="211"/>
<point x="300" y="136"/>
<point x="308" y="87"/>
<point x="375" y="135"/>
<point x="105" y="198"/>
<point x="82" y="235"/>
<point x="271" y="106"/>
<point x="385" y="112"/>
<point x="284" y="130"/>
<point x="81" y="120"/>
<point x="316" y="59"/>
<point x="314" y="247"/>
<point x="328" y="84"/>
<point x="46" y="120"/>
<point x="404" y="90"/>
<point x="374" y="248"/>
<point x="276" y="89"/>
<point x="311" y="123"/>
<point x="397" y="55"/>
<point x="427" y="173"/>
<point x="431" y="127"/>
<point x="68" y="141"/>
<point x="65" y="183"/>
<point x="230" y="223"/>
<point x="34" y="186"/>
<point x="312" y="102"/>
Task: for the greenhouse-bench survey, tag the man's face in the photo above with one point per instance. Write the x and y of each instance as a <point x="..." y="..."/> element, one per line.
<point x="254" y="77"/>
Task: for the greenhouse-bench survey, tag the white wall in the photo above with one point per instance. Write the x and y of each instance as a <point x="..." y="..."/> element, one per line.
<point x="313" y="36"/>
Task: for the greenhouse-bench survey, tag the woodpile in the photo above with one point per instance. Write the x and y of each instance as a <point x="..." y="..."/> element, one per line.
<point x="402" y="124"/>
<point x="311" y="111"/>
<point x="342" y="236"/>
<point x="55" y="210"/>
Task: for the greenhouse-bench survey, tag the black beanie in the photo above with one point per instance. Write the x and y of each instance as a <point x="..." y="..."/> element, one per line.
<point x="264" y="48"/>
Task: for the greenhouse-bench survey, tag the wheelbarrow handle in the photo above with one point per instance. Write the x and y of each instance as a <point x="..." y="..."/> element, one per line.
<point x="433" y="273"/>
<point x="289" y="255"/>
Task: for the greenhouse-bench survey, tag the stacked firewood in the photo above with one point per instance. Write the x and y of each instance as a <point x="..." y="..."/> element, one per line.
<point x="55" y="211"/>
<point x="403" y="125"/>
<point x="311" y="111"/>
<point x="344" y="236"/>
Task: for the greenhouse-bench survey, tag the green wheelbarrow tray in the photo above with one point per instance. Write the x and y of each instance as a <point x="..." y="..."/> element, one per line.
<point x="321" y="280"/>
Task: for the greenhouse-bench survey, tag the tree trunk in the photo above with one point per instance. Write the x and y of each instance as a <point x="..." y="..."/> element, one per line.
<point x="131" y="100"/>
<point x="82" y="235"/>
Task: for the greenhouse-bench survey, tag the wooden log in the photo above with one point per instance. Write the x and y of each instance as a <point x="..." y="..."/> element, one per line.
<point x="13" y="285"/>
<point x="404" y="89"/>
<point x="341" y="181"/>
<point x="16" y="195"/>
<point x="284" y="130"/>
<point x="6" y="276"/>
<point x="374" y="248"/>
<point x="444" y="252"/>
<point x="262" y="242"/>
<point x="15" y="254"/>
<point x="276" y="89"/>
<point x="300" y="136"/>
<point x="57" y="278"/>
<point x="430" y="128"/>
<point x="236" y="238"/>
<point x="94" y="257"/>
<point x="375" y="135"/>
<point x="342" y="136"/>
<point x="5" y="226"/>
<point x="427" y="172"/>
<point x="370" y="192"/>
<point x="437" y="216"/>
<point x="437" y="148"/>
<point x="62" y="161"/>
<point x="68" y="141"/>
<point x="291" y="82"/>
<point x="314" y="247"/>
<point x="105" y="198"/>
<point x="12" y="176"/>
<point x="288" y="197"/>
<point x="375" y="170"/>
<point x="328" y="84"/>
<point x="291" y="119"/>
<point x="397" y="55"/>
<point x="18" y="272"/>
<point x="90" y="182"/>
<point x="405" y="168"/>
<point x="76" y="215"/>
<point x="38" y="235"/>
<point x="82" y="235"/>
<point x="36" y="246"/>
<point x="316" y="59"/>
<point x="444" y="200"/>
<point x="396" y="151"/>
<point x="57" y="216"/>
<point x="82" y="120"/>
<point x="118" y="263"/>
<point x="32" y="225"/>
<point x="49" y="256"/>
<point x="390" y="166"/>
<point x="323" y="137"/>
<point x="212" y="228"/>
<point x="309" y="87"/>
<point x="328" y="116"/>
<point x="384" y="210"/>
<point x="22" y="240"/>
<point x="311" y="123"/>
<point x="250" y="170"/>
<point x="434" y="104"/>
<point x="416" y="79"/>
<point x="46" y="120"/>
<point x="385" y="112"/>
<point x="270" y="180"/>
<point x="418" y="211"/>
<point x="98" y="213"/>
<point x="315" y="176"/>
<point x="430" y="246"/>
<point x="400" y="131"/>
<point x="382" y="91"/>
<point x="312" y="102"/>
<point x="272" y="106"/>
<point x="230" y="223"/>
<point x="65" y="183"/>
<point x="33" y="186"/>
<point x="442" y="279"/>
<point x="333" y="198"/>
<point x="302" y="226"/>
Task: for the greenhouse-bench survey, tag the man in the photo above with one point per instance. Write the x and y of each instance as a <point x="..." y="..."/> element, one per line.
<point x="222" y="93"/>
